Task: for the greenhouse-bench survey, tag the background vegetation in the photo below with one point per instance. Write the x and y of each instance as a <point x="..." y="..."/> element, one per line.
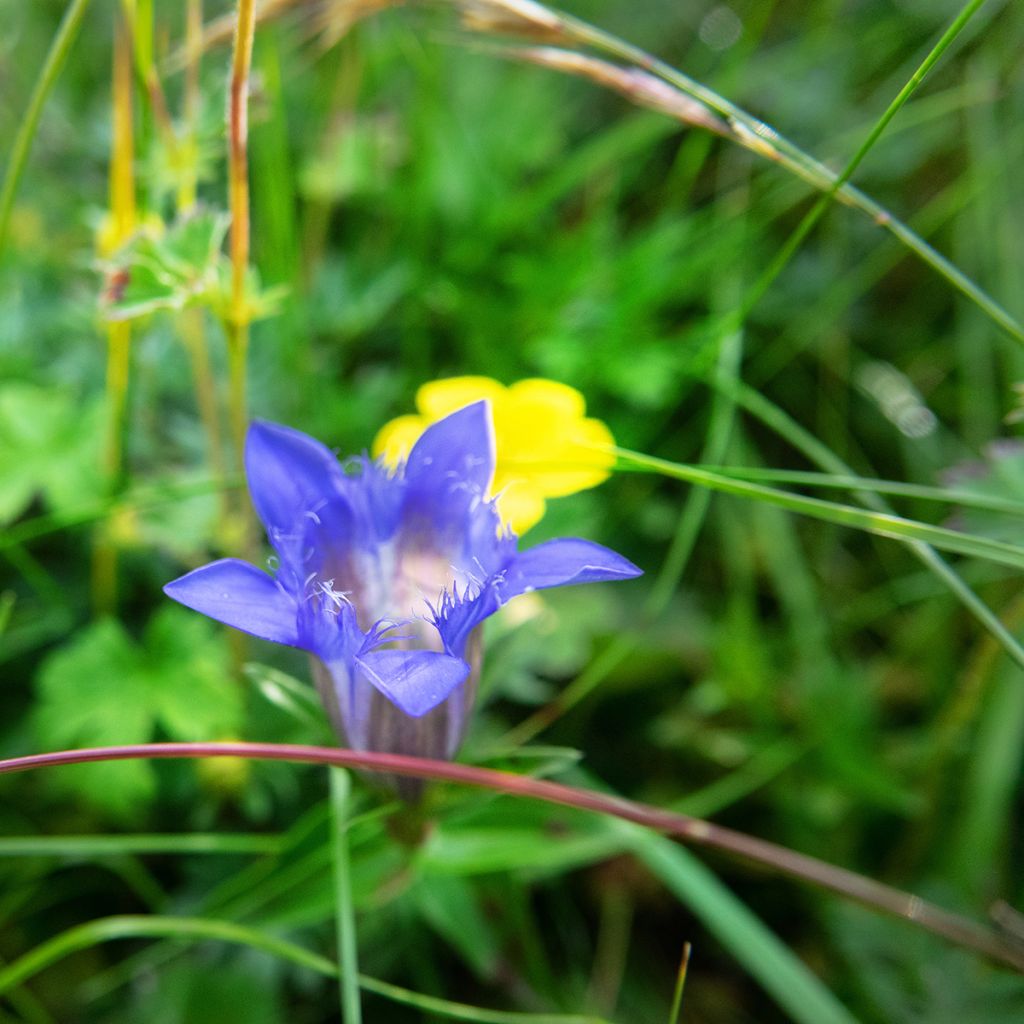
<point x="423" y="206"/>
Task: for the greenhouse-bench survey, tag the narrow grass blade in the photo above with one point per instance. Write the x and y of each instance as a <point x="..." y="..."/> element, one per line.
<point x="852" y="482"/>
<point x="821" y="455"/>
<point x="882" y="524"/>
<point x="51" y="69"/>
<point x="121" y="845"/>
<point x="344" y="913"/>
<point x="779" y="971"/>
<point x="769" y="142"/>
<point x="108" y="929"/>
<point x="677" y="995"/>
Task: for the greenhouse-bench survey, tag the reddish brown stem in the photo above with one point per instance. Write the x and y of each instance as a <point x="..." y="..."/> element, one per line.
<point x="959" y="930"/>
<point x="238" y="157"/>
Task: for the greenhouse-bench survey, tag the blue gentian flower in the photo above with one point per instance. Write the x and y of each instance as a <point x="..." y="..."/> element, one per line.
<point x="385" y="576"/>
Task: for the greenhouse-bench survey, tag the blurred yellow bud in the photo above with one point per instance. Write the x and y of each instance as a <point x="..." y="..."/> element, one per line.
<point x="225" y="776"/>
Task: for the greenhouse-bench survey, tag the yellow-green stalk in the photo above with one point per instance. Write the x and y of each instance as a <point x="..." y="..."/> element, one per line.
<point x="237" y="322"/>
<point x="122" y="224"/>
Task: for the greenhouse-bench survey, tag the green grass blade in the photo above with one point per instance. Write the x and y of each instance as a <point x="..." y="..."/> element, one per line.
<point x="804" y="166"/>
<point x="48" y="74"/>
<point x="811" y="218"/>
<point x="344" y="913"/>
<point x="852" y="482"/>
<point x="92" y="933"/>
<point x="820" y="454"/>
<point x="793" y="986"/>
<point x="677" y="995"/>
<point x="958" y="24"/>
<point x="460" y="1011"/>
<point x="882" y="524"/>
<point x="108" y="929"/>
<point x="120" y="845"/>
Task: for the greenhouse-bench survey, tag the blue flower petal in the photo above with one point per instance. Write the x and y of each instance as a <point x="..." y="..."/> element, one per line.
<point x="457" y="617"/>
<point x="456" y="450"/>
<point x="240" y="595"/>
<point x="416" y="681"/>
<point x="290" y="475"/>
<point x="558" y="563"/>
<point x="329" y="629"/>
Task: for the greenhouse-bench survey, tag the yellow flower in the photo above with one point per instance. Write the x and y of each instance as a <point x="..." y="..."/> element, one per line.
<point x="546" y="446"/>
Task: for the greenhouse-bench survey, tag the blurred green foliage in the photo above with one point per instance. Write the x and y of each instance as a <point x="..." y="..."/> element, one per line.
<point x="423" y="208"/>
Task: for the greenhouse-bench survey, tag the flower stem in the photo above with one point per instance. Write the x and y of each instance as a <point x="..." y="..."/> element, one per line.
<point x="961" y="931"/>
<point x="237" y="322"/>
<point x="344" y="914"/>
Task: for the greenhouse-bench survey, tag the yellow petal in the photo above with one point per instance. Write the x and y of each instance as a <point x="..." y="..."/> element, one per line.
<point x="521" y="507"/>
<point x="584" y="460"/>
<point x="395" y="439"/>
<point x="555" y="398"/>
<point x="438" y="398"/>
<point x="555" y="457"/>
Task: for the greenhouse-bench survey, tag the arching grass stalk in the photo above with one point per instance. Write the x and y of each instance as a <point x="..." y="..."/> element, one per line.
<point x="755" y="136"/>
<point x="122" y="219"/>
<point x="760" y="138"/>
<point x="954" y="928"/>
<point x="816" y="212"/>
<point x="128" y="926"/>
<point x="48" y="73"/>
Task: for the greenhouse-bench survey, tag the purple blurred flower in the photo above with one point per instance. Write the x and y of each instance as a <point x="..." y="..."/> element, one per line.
<point x="385" y="576"/>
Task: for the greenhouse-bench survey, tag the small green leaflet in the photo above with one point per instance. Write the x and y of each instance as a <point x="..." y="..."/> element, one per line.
<point x="167" y="272"/>
<point x="105" y="688"/>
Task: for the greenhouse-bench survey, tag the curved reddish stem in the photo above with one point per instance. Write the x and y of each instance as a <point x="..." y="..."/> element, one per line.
<point x="957" y="929"/>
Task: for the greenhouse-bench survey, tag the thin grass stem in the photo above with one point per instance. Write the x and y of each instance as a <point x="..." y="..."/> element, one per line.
<point x="238" y="317"/>
<point x="107" y="929"/>
<point x="344" y="913"/>
<point x="820" y="454"/>
<point x="761" y="138"/>
<point x="677" y="995"/>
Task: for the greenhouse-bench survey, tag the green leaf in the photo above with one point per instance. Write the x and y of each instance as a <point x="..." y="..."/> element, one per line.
<point x="103" y="688"/>
<point x="260" y="302"/>
<point x="49" y="445"/>
<point x="887" y="965"/>
<point x="90" y="695"/>
<point x="471" y="850"/>
<point x="297" y="699"/>
<point x="193" y="696"/>
<point x="451" y="908"/>
<point x="238" y="990"/>
<point x="167" y="272"/>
